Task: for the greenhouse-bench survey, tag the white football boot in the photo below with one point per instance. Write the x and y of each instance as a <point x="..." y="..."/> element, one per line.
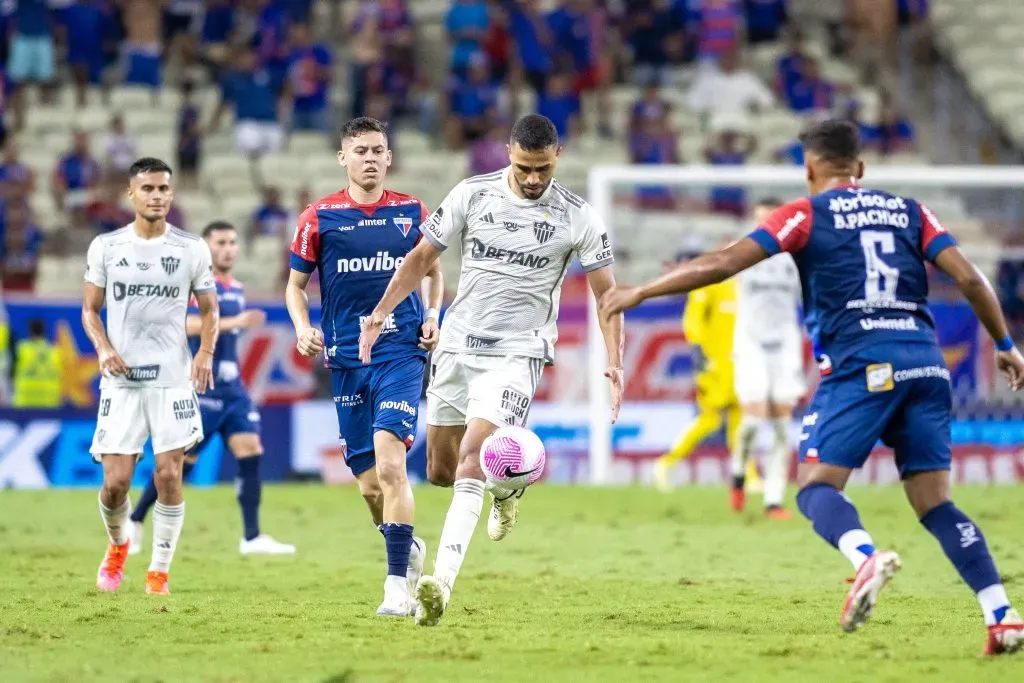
<point x="135" y="534"/>
<point x="871" y="578"/>
<point x="265" y="545"/>
<point x="417" y="558"/>
<point x="396" y="598"/>
<point x="504" y="514"/>
<point x="431" y="600"/>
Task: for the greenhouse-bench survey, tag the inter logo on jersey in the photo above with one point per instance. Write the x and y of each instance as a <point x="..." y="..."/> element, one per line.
<point x="543" y="231"/>
<point x="170" y="264"/>
<point x="403" y="224"/>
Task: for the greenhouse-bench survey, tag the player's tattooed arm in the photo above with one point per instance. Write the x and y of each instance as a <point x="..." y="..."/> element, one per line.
<point x="709" y="269"/>
<point x="92" y="303"/>
<point x="433" y="293"/>
<point x="602" y="280"/>
<point x="309" y="340"/>
<point x="407" y="278"/>
<point x="202" y="363"/>
<point x="978" y="291"/>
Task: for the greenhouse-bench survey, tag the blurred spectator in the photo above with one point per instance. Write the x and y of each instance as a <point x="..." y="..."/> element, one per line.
<point x="650" y="107"/>
<point x="30" y="57"/>
<point x="190" y="139"/>
<point x="489" y="153"/>
<point x="648" y="29"/>
<point x="1010" y="286"/>
<point x="765" y="20"/>
<point x="790" y="67"/>
<point x="19" y="255"/>
<point x="580" y="32"/>
<point x="271" y="218"/>
<point x="472" y="104"/>
<point x="303" y="198"/>
<point x="108" y="212"/>
<point x="810" y="92"/>
<point x="367" y="52"/>
<point x="718" y="26"/>
<point x="253" y="91"/>
<point x="727" y="88"/>
<point x="790" y="153"/>
<point x="562" y="106"/>
<point x="36" y="371"/>
<point x="730" y="147"/>
<point x="532" y="41"/>
<point x="272" y="37"/>
<point x="467" y="23"/>
<point x="893" y="135"/>
<point x="142" y="48"/>
<point x="75" y="175"/>
<point x="398" y="72"/>
<point x="176" y="217"/>
<point x="5" y="86"/>
<point x="179" y="21"/>
<point x="215" y="34"/>
<point x="497" y="44"/>
<point x="17" y="179"/>
<point x="309" y="75"/>
<point x="119" y="147"/>
<point x="654" y="142"/>
<point x="83" y="32"/>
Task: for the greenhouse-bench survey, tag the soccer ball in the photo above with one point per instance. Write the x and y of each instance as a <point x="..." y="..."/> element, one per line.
<point x="512" y="458"/>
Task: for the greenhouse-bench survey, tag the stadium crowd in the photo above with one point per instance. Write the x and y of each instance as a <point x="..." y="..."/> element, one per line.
<point x="278" y="68"/>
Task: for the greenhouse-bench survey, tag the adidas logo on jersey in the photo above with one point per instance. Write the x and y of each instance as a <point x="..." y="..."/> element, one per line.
<point x="487" y="218"/>
<point x="123" y="263"/>
<point x="382" y="261"/>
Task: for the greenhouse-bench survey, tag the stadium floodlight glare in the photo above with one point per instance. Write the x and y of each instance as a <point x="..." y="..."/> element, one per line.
<point x="786" y="182"/>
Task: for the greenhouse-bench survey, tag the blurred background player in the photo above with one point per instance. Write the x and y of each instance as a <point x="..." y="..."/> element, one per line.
<point x="709" y="322"/>
<point x="145" y="273"/>
<point x="518" y="229"/>
<point x="768" y="368"/>
<point x="226" y="409"/>
<point x="862" y="255"/>
<point x="356" y="238"/>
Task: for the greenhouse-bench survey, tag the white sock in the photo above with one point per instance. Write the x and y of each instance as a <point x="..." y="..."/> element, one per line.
<point x="463" y="514"/>
<point x="745" y="437"/>
<point x="777" y="472"/>
<point x="116" y="521"/>
<point x="992" y="599"/>
<point x="396" y="585"/>
<point x="850" y="544"/>
<point x="167" y="523"/>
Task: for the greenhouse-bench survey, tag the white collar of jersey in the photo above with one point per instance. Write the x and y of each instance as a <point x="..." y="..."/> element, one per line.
<point x="136" y="237"/>
<point x="507" y="187"/>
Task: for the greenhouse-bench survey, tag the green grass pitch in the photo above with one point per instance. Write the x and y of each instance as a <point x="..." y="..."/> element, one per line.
<point x="593" y="585"/>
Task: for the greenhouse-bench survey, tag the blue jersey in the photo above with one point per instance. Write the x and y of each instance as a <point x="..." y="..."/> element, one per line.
<point x="357" y="248"/>
<point x="861" y="255"/>
<point x="227" y="378"/>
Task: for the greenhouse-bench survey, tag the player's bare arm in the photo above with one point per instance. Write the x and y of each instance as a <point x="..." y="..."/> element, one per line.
<point x="978" y="291"/>
<point x="209" y="328"/>
<point x="309" y="340"/>
<point x="408" y="276"/>
<point x="433" y="293"/>
<point x="92" y="303"/>
<point x="601" y="281"/>
<point x="702" y="271"/>
<point x="246" y="320"/>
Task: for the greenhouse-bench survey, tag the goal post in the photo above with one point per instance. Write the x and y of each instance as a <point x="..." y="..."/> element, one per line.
<point x="989" y="194"/>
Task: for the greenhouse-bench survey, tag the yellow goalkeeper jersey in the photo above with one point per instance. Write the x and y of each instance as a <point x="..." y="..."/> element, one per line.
<point x="709" y="319"/>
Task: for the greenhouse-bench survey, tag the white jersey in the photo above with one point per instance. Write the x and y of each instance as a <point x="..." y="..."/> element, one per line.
<point x="515" y="253"/>
<point x="148" y="284"/>
<point x="768" y="295"/>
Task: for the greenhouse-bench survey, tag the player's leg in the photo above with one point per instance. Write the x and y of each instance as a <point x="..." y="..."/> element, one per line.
<point x="447" y="401"/>
<point x="443" y="443"/>
<point x="922" y="444"/>
<point x="841" y="428"/>
<point x="708" y="422"/>
<point x="394" y="392"/>
<point x="751" y="382"/>
<point x="776" y="471"/>
<point x="173" y="417"/>
<point x="148" y="499"/>
<point x="118" y="441"/>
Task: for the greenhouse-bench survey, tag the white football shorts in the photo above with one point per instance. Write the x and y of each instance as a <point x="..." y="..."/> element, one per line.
<point x="129" y="415"/>
<point x="258" y="137"/>
<point x="498" y="389"/>
<point x="769" y="372"/>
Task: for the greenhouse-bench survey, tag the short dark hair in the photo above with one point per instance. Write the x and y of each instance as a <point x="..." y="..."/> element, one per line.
<point x="770" y="202"/>
<point x="36" y="328"/>
<point x="836" y="141"/>
<point x="363" y="124"/>
<point x="217" y="226"/>
<point x="149" y="165"/>
<point x="534" y="132"/>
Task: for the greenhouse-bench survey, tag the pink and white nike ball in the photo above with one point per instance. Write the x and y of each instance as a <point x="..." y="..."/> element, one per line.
<point x="512" y="458"/>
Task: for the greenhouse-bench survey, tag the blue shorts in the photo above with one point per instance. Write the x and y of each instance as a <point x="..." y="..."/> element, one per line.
<point x="227" y="416"/>
<point x="384" y="396"/>
<point x="142" y="68"/>
<point x="899" y="395"/>
<point x="31" y="59"/>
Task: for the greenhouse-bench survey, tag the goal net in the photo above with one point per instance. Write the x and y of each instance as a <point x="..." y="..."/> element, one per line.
<point x="657" y="215"/>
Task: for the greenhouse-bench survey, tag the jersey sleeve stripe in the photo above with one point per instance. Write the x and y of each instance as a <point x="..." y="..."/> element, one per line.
<point x="433" y="240"/>
<point x="938" y="244"/>
<point x="569" y="196"/>
<point x="766" y="241"/>
<point x="489" y="178"/>
<point x="300" y="264"/>
<point x="600" y="264"/>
